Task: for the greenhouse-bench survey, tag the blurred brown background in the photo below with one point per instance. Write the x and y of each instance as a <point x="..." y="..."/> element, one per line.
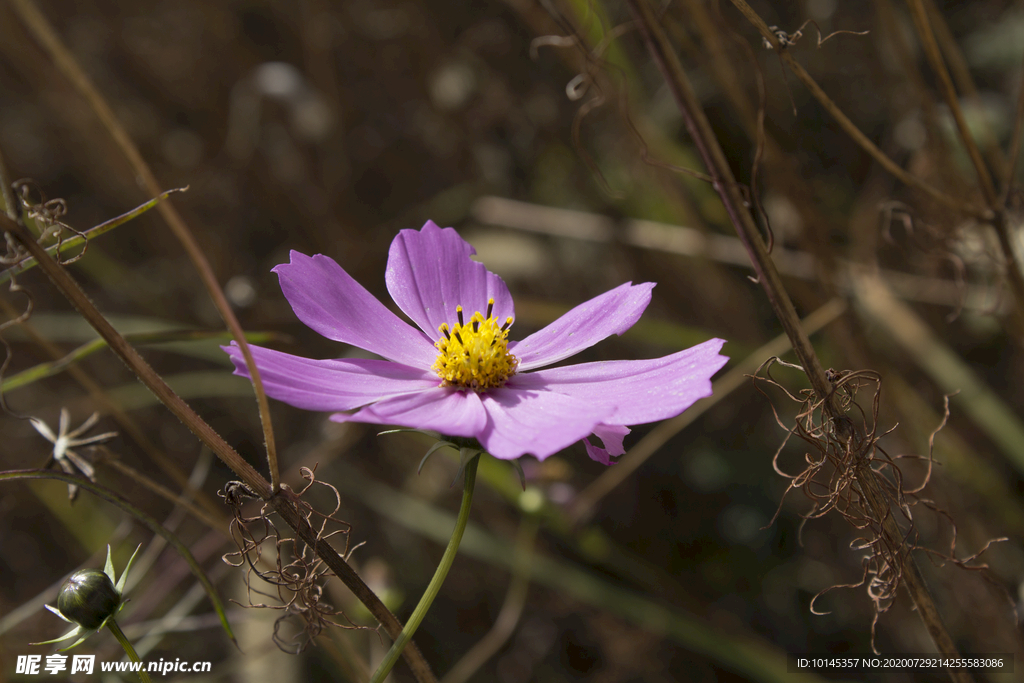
<point x="326" y="127"/>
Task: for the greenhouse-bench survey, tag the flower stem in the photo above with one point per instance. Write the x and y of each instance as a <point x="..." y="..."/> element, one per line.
<point x="126" y="644"/>
<point x="435" y="583"/>
<point x="285" y="502"/>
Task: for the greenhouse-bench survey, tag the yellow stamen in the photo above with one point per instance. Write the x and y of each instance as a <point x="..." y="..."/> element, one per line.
<point x="475" y="355"/>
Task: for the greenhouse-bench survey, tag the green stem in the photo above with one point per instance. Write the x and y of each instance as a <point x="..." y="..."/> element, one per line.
<point x="126" y="644"/>
<point x="81" y="238"/>
<point x="435" y="583"/>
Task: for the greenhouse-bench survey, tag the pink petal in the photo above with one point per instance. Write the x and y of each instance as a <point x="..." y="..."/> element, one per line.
<point x="329" y="301"/>
<point x="430" y="273"/>
<point x="611" y="436"/>
<point x="537" y="422"/>
<point x="451" y="412"/>
<point x="635" y="391"/>
<point x="613" y="312"/>
<point x="331" y="384"/>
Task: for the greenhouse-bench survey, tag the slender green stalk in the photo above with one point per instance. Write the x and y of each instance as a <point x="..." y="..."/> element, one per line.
<point x="81" y="239"/>
<point x="51" y="368"/>
<point x="284" y="501"/>
<point x="439" y="576"/>
<point x="44" y="33"/>
<point x="150" y="522"/>
<point x="511" y="610"/>
<point x="127" y="645"/>
<point x="749" y="656"/>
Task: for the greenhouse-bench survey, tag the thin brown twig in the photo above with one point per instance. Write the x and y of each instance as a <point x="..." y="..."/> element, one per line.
<point x="786" y="175"/>
<point x="931" y="49"/>
<point x="107" y="405"/>
<point x="1013" y="154"/>
<point x="283" y="500"/>
<point x="583" y="505"/>
<point x="67" y="65"/>
<point x="846" y="465"/>
<point x="292" y="571"/>
<point x="962" y="77"/>
<point x="985" y="182"/>
<point x="216" y="521"/>
<point x="10" y="206"/>
<point x="899" y="41"/>
<point x="70" y="288"/>
<point x="725" y="184"/>
<point x="703" y="137"/>
<point x="848" y="126"/>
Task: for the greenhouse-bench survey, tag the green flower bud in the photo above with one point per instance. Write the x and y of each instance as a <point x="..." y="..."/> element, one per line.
<point x="88" y="598"/>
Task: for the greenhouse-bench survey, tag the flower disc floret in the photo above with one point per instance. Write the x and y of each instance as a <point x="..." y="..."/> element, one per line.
<point x="475" y="355"/>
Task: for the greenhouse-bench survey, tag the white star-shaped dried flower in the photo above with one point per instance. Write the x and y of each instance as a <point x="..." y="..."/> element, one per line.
<point x="64" y="441"/>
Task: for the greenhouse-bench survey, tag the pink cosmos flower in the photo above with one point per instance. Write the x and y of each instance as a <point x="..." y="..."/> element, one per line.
<point x="458" y="374"/>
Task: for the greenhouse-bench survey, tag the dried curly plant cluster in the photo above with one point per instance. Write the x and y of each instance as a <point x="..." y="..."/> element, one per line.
<point x="292" y="570"/>
<point x="47" y="215"/>
<point x="833" y="479"/>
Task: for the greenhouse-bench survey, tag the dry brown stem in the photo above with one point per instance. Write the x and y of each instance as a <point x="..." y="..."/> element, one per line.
<point x="832" y="417"/>
<point x="833" y="479"/>
<point x="297" y="574"/>
<point x="284" y="501"/>
<point x="847" y="125"/>
<point x="66" y="63"/>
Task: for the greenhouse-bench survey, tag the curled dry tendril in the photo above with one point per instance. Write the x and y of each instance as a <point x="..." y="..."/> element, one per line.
<point x="830" y="478"/>
<point x="295" y="574"/>
<point x="47" y="214"/>
<point x="790" y="39"/>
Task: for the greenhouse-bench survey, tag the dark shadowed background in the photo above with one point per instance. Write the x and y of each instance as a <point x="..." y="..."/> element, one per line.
<point x="326" y="127"/>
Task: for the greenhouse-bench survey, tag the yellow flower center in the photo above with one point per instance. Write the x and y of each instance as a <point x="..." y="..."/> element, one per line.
<point x="474" y="355"/>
